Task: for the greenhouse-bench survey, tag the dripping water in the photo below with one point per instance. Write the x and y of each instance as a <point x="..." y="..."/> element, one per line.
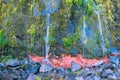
<point x="101" y="33"/>
<point x="47" y="45"/>
<point x="84" y="38"/>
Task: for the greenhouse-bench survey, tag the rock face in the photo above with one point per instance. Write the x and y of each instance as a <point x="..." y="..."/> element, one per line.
<point x="115" y="29"/>
<point x="66" y="29"/>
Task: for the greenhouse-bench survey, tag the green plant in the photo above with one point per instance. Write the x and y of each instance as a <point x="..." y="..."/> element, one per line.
<point x="51" y="34"/>
<point x="3" y="40"/>
<point x="70" y="40"/>
<point x="77" y="2"/>
<point x="32" y="30"/>
<point x="38" y="78"/>
<point x="90" y="7"/>
<point x="87" y="5"/>
<point x="6" y="58"/>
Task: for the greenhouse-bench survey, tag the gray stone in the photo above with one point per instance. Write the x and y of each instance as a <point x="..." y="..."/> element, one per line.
<point x="79" y="78"/>
<point x="114" y="59"/>
<point x="109" y="66"/>
<point x="35" y="69"/>
<point x="66" y="78"/>
<point x="24" y="75"/>
<point x="61" y="75"/>
<point x="61" y="72"/>
<point x="89" y="78"/>
<point x="117" y="74"/>
<point x="104" y="75"/>
<point x="75" y="66"/>
<point x="1" y="64"/>
<point x="5" y="77"/>
<point x="54" y="71"/>
<point x="70" y="77"/>
<point x="31" y="77"/>
<point x="97" y="78"/>
<point x="12" y="63"/>
<point x="118" y="66"/>
<point x="98" y="63"/>
<point x="45" y="68"/>
<point x="112" y="77"/>
<point x="109" y="71"/>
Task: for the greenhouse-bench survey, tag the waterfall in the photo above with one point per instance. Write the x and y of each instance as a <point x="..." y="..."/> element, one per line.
<point x="47" y="45"/>
<point x="36" y="9"/>
<point x="51" y="6"/>
<point x="84" y="38"/>
<point x="101" y="33"/>
<point x="84" y="32"/>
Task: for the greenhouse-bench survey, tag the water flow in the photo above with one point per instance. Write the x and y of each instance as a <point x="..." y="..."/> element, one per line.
<point x="47" y="45"/>
<point x="84" y="35"/>
<point x="51" y="6"/>
<point x="101" y="33"/>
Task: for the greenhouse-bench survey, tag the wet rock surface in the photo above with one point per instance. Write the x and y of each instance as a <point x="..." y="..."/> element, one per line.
<point x="16" y="70"/>
<point x="114" y="59"/>
<point x="45" y="68"/>
<point x="75" y="66"/>
<point x="12" y="63"/>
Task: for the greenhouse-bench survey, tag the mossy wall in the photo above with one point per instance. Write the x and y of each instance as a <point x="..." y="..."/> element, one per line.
<point x="25" y="30"/>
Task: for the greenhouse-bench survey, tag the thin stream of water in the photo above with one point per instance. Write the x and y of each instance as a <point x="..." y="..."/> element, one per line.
<point x="47" y="45"/>
<point x="84" y="35"/>
<point x="101" y="33"/>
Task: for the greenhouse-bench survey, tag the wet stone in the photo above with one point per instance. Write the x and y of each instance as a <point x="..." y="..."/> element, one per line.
<point x="31" y="77"/>
<point x="109" y="71"/>
<point x="5" y="76"/>
<point x="75" y="66"/>
<point x="97" y="78"/>
<point x="79" y="78"/>
<point x="16" y="77"/>
<point x="24" y="75"/>
<point x="61" y="72"/>
<point x="118" y="66"/>
<point x="114" y="59"/>
<point x="12" y="63"/>
<point x="71" y="77"/>
<point x="1" y="64"/>
<point x="112" y="77"/>
<point x="45" y="68"/>
<point x="104" y="75"/>
<point x="117" y="74"/>
<point x="89" y="78"/>
<point x="54" y="71"/>
<point x="61" y="75"/>
<point x="98" y="63"/>
<point x="35" y="69"/>
<point x="110" y="66"/>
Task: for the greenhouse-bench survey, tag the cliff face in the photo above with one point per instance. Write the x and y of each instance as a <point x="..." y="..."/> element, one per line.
<point x="115" y="29"/>
<point x="24" y="24"/>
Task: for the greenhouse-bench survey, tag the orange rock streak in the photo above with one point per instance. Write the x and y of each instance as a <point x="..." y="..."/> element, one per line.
<point x="65" y="60"/>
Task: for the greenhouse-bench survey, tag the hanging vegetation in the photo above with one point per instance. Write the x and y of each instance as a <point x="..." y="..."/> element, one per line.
<point x="23" y="26"/>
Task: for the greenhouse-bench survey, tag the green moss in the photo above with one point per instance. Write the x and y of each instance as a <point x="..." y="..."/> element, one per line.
<point x="3" y="40"/>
